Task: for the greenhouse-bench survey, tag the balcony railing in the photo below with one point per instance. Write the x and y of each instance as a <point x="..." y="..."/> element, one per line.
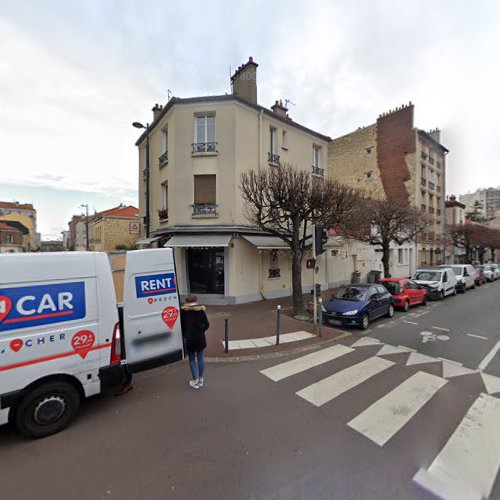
<point x="431" y="185"/>
<point x="438" y="211"/>
<point x="273" y="158"/>
<point x="431" y="210"/>
<point x="423" y="181"/>
<point x="431" y="160"/>
<point x="318" y="171"/>
<point x="424" y="208"/>
<point x="438" y="188"/>
<point x="438" y="164"/>
<point x="274" y="273"/>
<point x="204" y="147"/>
<point x="163" y="158"/>
<point x="205" y="209"/>
<point x="423" y="155"/>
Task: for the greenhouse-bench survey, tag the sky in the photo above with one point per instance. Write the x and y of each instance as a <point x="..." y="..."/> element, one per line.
<point x="75" y="75"/>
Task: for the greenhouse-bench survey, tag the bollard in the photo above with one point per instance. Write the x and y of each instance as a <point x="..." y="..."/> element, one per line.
<point x="226" y="335"/>
<point x="278" y="317"/>
<point x="320" y="312"/>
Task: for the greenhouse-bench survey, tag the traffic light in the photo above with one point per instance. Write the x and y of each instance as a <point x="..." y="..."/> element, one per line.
<point x="320" y="238"/>
<point x="310" y="263"/>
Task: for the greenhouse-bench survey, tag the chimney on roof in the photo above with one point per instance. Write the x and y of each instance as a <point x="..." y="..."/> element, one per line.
<point x="279" y="109"/>
<point x="156" y="110"/>
<point x="436" y="135"/>
<point x="244" y="81"/>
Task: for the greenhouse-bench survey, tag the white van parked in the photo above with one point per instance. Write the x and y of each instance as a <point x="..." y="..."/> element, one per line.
<point x="465" y="274"/>
<point x="61" y="339"/>
<point x="438" y="281"/>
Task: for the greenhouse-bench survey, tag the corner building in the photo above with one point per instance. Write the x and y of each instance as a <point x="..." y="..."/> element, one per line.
<point x="198" y="148"/>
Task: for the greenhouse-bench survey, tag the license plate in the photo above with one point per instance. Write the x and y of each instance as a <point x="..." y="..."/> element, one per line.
<point x="336" y="322"/>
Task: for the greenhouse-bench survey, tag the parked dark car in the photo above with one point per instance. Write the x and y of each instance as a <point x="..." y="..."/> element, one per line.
<point x="357" y="305"/>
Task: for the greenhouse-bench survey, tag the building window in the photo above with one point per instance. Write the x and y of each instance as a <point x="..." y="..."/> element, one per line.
<point x="163" y="211"/>
<point x="273" y="155"/>
<point x="316" y="161"/>
<point x="205" y="196"/>
<point x="284" y="140"/>
<point x="164" y="148"/>
<point x="274" y="267"/>
<point x="400" y="256"/>
<point x="204" y="141"/>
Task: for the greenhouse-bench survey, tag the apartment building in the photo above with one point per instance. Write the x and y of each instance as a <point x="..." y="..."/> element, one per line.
<point x="198" y="148"/>
<point x="12" y="238"/>
<point x="25" y="214"/>
<point x="117" y="227"/>
<point x="488" y="198"/>
<point x="392" y="159"/>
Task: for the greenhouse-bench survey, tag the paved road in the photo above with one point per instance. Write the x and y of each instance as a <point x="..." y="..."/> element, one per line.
<point x="360" y="418"/>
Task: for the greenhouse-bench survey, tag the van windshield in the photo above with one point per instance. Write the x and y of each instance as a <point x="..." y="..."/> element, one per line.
<point x="428" y="275"/>
<point x="458" y="270"/>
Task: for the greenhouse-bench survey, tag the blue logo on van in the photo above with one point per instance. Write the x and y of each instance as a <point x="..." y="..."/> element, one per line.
<point x="39" y="305"/>
<point x="155" y="284"/>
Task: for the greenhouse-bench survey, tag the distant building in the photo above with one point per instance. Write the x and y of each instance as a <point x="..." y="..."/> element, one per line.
<point x="52" y="246"/>
<point x="77" y="238"/>
<point x="26" y="215"/>
<point x="65" y="239"/>
<point x="392" y="159"/>
<point x="488" y="198"/>
<point x="11" y="238"/>
<point x="117" y="227"/>
<point x="455" y="215"/>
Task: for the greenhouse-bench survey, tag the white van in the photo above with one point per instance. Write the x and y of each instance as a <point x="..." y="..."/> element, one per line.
<point x="61" y="339"/>
<point x="438" y="281"/>
<point x="465" y="274"/>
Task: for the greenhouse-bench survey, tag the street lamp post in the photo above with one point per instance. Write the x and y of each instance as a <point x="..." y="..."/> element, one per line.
<point x="86" y="206"/>
<point x="146" y="175"/>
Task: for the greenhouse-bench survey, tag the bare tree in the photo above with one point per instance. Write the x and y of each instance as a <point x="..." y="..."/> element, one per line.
<point x="382" y="222"/>
<point x="286" y="202"/>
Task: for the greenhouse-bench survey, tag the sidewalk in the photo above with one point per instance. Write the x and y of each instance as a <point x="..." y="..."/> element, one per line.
<point x="257" y="320"/>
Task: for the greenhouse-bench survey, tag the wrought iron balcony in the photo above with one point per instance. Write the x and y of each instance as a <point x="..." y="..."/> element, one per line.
<point x="424" y="208"/>
<point x="163" y="158"/>
<point x="423" y="155"/>
<point x="431" y="160"/>
<point x="273" y="159"/>
<point x="274" y="273"/>
<point x="205" y="209"/>
<point x="204" y="147"/>
<point x="438" y="211"/>
<point x="438" y="164"/>
<point x="318" y="171"/>
<point x="438" y="188"/>
<point x="423" y="181"/>
<point x="431" y="210"/>
<point x="431" y="185"/>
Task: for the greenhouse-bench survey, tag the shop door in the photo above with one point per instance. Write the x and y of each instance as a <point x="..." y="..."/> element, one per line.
<point x="206" y="270"/>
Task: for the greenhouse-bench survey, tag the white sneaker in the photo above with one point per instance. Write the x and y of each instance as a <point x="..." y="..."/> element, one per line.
<point x="193" y="384"/>
<point x="200" y="383"/>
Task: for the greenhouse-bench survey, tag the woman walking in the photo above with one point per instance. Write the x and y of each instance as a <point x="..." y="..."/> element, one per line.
<point x="194" y="323"/>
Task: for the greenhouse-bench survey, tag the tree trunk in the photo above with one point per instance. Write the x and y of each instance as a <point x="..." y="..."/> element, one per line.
<point x="492" y="250"/>
<point x="298" y="298"/>
<point x="385" y="261"/>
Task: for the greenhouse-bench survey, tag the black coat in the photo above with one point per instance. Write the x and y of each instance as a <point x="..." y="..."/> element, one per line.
<point x="194" y="323"/>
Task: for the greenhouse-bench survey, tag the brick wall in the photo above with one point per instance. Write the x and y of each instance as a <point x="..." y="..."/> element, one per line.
<point x="396" y="148"/>
<point x="112" y="232"/>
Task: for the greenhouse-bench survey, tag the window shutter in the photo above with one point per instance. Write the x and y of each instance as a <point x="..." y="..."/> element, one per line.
<point x="204" y="189"/>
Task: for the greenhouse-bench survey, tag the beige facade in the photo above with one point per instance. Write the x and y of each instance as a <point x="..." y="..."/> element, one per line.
<point x="110" y="232"/>
<point x="199" y="148"/>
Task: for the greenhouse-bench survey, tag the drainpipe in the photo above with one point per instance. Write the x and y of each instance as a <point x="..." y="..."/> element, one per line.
<point x="261" y="112"/>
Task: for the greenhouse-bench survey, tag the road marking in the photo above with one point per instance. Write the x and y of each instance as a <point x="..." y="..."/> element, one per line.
<point x="451" y="369"/>
<point x="417" y="359"/>
<point x="491" y="383"/>
<point x="329" y="388"/>
<point x="426" y="334"/>
<point x="443" y="337"/>
<point x="410" y="322"/>
<point x="409" y="348"/>
<point x="289" y="368"/>
<point x="365" y="342"/>
<point x="487" y="359"/>
<point x="441" y="329"/>
<point x="450" y="361"/>
<point x="391" y="349"/>
<point x="384" y="418"/>
<point x="476" y="336"/>
<point x="467" y="465"/>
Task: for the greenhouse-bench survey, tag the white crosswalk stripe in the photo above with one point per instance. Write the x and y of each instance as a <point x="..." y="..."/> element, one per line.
<point x="468" y="464"/>
<point x="384" y="418"/>
<point x="284" y="370"/>
<point x="331" y="387"/>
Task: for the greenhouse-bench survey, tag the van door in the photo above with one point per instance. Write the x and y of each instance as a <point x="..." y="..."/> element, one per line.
<point x="151" y="313"/>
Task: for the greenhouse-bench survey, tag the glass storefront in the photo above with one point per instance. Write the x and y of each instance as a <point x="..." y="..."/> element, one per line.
<point x="206" y="270"/>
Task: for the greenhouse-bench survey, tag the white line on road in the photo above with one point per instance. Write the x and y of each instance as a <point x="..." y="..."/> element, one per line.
<point x="384" y="418"/>
<point x="450" y="361"/>
<point x="467" y="466"/>
<point x="329" y="388"/>
<point x="476" y="336"/>
<point x="487" y="359"/>
<point x="441" y="329"/>
<point x="284" y="370"/>
<point x="410" y="322"/>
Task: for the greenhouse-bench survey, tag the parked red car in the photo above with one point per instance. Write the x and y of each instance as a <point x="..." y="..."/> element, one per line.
<point x="405" y="292"/>
<point x="480" y="278"/>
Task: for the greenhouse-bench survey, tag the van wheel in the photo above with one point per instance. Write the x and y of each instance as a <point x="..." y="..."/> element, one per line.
<point x="47" y="409"/>
<point x="441" y="296"/>
<point x="406" y="307"/>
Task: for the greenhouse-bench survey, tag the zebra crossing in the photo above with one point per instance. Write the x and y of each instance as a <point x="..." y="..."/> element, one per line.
<point x="467" y="465"/>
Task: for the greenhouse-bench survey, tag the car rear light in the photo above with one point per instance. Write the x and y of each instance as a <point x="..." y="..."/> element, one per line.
<point x="116" y="351"/>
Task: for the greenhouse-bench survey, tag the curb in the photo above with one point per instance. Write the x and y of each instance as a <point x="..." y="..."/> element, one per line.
<point x="277" y="354"/>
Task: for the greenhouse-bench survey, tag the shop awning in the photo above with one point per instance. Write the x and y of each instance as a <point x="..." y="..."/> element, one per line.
<point x="199" y="240"/>
<point x="148" y="241"/>
<point x="267" y="242"/>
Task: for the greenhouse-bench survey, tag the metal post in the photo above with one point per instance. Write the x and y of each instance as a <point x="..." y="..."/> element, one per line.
<point x="278" y="319"/>
<point x="147" y="218"/>
<point x="87" y="246"/>
<point x="314" y="275"/>
<point x="320" y="312"/>
<point x="226" y="335"/>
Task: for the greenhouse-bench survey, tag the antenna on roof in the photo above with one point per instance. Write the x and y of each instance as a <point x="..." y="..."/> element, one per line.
<point x="288" y="101"/>
<point x="169" y="94"/>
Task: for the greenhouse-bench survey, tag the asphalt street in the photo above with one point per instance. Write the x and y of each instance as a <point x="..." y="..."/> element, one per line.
<point x="366" y="417"/>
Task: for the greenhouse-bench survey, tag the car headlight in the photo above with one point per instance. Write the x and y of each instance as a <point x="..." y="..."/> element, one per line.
<point x="351" y="313"/>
